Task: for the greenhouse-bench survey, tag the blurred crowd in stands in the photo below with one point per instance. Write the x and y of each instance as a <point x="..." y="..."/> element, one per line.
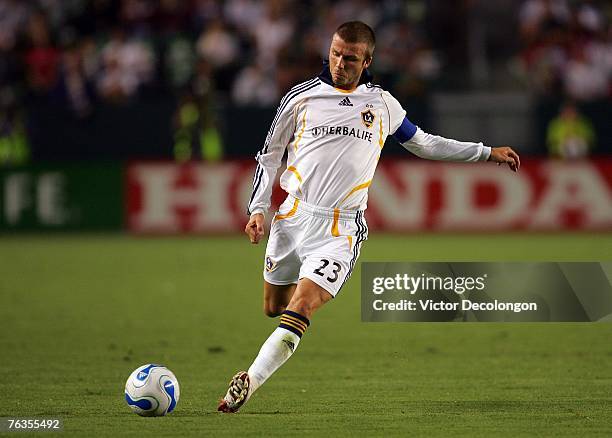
<point x="245" y="50"/>
<point x="248" y="52"/>
<point x="252" y="51"/>
<point x="567" y="47"/>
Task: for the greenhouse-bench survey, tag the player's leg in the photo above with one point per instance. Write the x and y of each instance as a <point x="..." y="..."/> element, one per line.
<point x="280" y="345"/>
<point x="322" y="261"/>
<point x="277" y="297"/>
<point x="308" y="298"/>
<point x="281" y="274"/>
<point x="322" y="274"/>
<point x="283" y="342"/>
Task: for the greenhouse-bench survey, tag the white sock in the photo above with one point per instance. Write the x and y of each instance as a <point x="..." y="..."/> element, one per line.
<point x="279" y="347"/>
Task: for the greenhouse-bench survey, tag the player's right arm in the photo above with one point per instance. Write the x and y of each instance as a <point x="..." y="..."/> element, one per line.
<point x="269" y="159"/>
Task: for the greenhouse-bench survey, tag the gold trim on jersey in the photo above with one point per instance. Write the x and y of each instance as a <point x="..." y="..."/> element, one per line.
<point x="291" y="212"/>
<point x="344" y="91"/>
<point x="356" y="188"/>
<point x="381" y="143"/>
<point x="297" y="175"/>
<point x="299" y="137"/>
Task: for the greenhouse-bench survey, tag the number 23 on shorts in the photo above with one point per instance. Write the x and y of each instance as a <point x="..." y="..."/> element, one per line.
<point x="330" y="272"/>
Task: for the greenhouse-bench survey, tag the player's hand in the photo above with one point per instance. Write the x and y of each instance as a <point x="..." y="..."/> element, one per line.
<point x="505" y="154"/>
<point x="255" y="227"/>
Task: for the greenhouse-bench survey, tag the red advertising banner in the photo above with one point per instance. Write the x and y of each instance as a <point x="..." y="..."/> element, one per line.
<point x="409" y="195"/>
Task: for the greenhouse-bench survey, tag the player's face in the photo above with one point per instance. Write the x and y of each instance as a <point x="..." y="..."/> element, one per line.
<point x="346" y="62"/>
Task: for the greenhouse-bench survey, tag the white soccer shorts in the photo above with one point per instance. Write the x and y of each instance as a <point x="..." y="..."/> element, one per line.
<point x="320" y="244"/>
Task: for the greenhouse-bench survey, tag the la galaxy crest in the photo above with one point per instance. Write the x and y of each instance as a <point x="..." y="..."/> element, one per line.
<point x="270" y="264"/>
<point x="367" y="117"/>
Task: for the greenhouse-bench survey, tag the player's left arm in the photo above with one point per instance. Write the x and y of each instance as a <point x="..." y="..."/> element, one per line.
<point x="435" y="147"/>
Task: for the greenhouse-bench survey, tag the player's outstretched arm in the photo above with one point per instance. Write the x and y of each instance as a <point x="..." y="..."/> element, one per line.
<point x="505" y="154"/>
<point x="255" y="228"/>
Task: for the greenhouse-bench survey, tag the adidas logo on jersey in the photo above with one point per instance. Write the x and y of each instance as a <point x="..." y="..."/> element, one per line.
<point x="346" y="102"/>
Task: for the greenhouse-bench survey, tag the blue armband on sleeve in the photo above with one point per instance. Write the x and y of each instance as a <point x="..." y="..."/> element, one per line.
<point x="405" y="132"/>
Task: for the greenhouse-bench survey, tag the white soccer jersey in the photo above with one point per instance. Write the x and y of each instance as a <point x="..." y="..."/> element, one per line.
<point x="334" y="139"/>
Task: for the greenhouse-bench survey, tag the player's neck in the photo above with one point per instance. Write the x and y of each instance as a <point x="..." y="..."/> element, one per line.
<point x="347" y="88"/>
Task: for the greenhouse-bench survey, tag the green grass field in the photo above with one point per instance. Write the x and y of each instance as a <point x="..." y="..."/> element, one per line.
<point x="79" y="313"/>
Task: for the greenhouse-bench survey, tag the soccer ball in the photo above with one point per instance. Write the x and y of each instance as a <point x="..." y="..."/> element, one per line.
<point x="152" y="390"/>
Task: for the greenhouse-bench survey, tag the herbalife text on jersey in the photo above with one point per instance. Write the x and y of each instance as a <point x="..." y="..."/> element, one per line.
<point x="321" y="131"/>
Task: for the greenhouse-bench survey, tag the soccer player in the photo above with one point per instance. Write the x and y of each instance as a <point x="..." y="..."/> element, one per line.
<point x="333" y="128"/>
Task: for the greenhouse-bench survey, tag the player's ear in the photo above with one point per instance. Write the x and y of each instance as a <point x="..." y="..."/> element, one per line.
<point x="367" y="62"/>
